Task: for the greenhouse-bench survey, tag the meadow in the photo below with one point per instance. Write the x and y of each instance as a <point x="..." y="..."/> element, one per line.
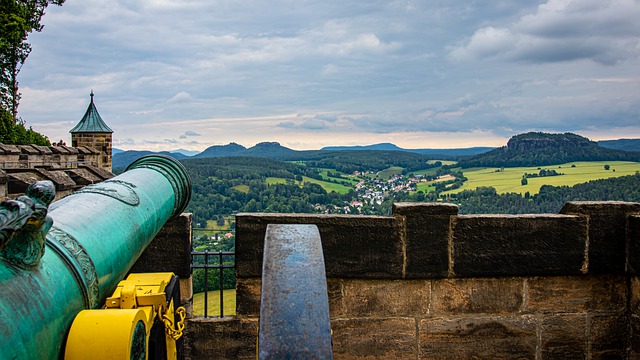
<point x="328" y="186"/>
<point x="506" y="180"/>
<point x="213" y="303"/>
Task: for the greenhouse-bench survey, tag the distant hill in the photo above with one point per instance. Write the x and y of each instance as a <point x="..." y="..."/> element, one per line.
<point x="454" y="152"/>
<point x="122" y="159"/>
<point x="621" y="144"/>
<point x="231" y="149"/>
<point x="538" y="149"/>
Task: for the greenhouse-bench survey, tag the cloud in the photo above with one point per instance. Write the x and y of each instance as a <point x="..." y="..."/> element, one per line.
<point x="605" y="32"/>
<point x="352" y="70"/>
<point x="287" y="125"/>
<point x="180" y="98"/>
<point x="313" y="124"/>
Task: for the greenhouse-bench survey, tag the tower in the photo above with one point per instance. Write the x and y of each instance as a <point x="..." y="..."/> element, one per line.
<point x="92" y="132"/>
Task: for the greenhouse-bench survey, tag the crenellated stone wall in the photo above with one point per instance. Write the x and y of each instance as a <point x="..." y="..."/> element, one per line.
<point x="68" y="168"/>
<point x="428" y="283"/>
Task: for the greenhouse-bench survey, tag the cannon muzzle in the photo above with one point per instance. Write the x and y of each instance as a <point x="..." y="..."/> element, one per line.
<point x="94" y="237"/>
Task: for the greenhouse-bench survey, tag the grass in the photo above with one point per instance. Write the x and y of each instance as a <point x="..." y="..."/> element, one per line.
<point x="390" y="172"/>
<point x="508" y="179"/>
<point x="242" y="188"/>
<point x="328" y="186"/>
<point x="213" y="300"/>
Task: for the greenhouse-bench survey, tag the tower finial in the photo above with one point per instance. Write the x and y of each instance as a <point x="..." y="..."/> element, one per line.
<point x="91" y="95"/>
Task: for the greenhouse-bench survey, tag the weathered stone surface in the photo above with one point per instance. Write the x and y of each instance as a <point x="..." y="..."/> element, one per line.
<point x="18" y="182"/>
<point x="607" y="232"/>
<point x="634" y="296"/>
<point x="248" y="296"/>
<point x="633" y="222"/>
<point x="386" y="298"/>
<point x="576" y="294"/>
<point x="564" y="336"/>
<point x="374" y="338"/>
<point x="353" y="246"/>
<point x="335" y="294"/>
<point x="491" y="295"/>
<point x="480" y="337"/>
<point x="170" y="250"/>
<point x="427" y="238"/>
<point x="634" y="337"/>
<point x="186" y="294"/>
<point x="214" y="338"/>
<point x="608" y="336"/>
<point x="509" y="245"/>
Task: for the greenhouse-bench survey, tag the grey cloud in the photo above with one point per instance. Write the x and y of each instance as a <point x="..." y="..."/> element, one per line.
<point x="604" y="32"/>
<point x="287" y="125"/>
<point x="313" y="124"/>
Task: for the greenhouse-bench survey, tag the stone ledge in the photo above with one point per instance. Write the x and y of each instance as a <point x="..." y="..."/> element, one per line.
<point x="353" y="246"/>
<point x="607" y="222"/>
<point x="518" y="245"/>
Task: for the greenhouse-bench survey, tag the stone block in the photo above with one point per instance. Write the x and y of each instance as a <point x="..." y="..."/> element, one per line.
<point x="478" y="295"/>
<point x="248" y="296"/>
<point x="214" y="338"/>
<point x="607" y="232"/>
<point x="634" y="337"/>
<point x="170" y="250"/>
<point x="634" y="296"/>
<point x="186" y="291"/>
<point x="525" y="245"/>
<point x="478" y="337"/>
<point x="353" y="246"/>
<point x="386" y="298"/>
<point x="427" y="238"/>
<point x="335" y="294"/>
<point x="577" y="294"/>
<point x="374" y="338"/>
<point x="564" y="336"/>
<point x="608" y="336"/>
<point x="633" y="222"/>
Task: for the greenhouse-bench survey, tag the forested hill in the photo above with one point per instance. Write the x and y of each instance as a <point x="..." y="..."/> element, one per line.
<point x="343" y="161"/>
<point x="540" y="149"/>
<point x="240" y="167"/>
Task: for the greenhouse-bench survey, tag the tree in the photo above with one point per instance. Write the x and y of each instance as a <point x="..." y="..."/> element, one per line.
<point x="607" y="167"/>
<point x="14" y="132"/>
<point x="18" y="18"/>
<point x="524" y="181"/>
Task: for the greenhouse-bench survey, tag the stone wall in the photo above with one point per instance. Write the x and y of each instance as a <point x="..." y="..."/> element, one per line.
<point x="99" y="141"/>
<point x="429" y="283"/>
<point x="68" y="168"/>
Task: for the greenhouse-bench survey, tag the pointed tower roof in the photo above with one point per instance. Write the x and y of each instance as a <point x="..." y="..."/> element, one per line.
<point x="91" y="121"/>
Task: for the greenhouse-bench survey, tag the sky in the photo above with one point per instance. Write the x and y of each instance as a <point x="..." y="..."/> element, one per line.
<point x="189" y="74"/>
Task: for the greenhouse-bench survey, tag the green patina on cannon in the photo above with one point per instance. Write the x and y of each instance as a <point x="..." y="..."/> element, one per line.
<point x="56" y="262"/>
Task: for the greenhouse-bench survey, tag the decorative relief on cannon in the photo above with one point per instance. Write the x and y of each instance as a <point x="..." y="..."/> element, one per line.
<point x="24" y="223"/>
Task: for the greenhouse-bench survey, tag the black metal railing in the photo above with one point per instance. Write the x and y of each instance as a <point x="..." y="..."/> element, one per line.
<point x="221" y="263"/>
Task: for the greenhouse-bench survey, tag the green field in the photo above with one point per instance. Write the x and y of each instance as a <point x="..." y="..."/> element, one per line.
<point x="213" y="303"/>
<point x="426" y="187"/>
<point x="508" y="179"/>
<point x="390" y="172"/>
<point x="242" y="188"/>
<point x="328" y="186"/>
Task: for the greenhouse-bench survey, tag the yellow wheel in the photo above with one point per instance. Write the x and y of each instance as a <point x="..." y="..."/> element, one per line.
<point x="108" y="334"/>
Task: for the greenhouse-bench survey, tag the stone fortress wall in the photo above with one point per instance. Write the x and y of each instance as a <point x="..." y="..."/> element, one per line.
<point x="428" y="283"/>
<point x="69" y="168"/>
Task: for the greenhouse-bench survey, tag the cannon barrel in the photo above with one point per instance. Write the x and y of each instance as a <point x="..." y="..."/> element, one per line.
<point x="97" y="235"/>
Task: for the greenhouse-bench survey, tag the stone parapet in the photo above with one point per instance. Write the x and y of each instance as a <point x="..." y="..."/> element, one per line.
<point x="428" y="283"/>
<point x="68" y="168"/>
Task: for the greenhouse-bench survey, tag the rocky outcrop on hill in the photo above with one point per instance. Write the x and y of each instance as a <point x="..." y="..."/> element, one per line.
<point x="540" y="149"/>
<point x="538" y="141"/>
